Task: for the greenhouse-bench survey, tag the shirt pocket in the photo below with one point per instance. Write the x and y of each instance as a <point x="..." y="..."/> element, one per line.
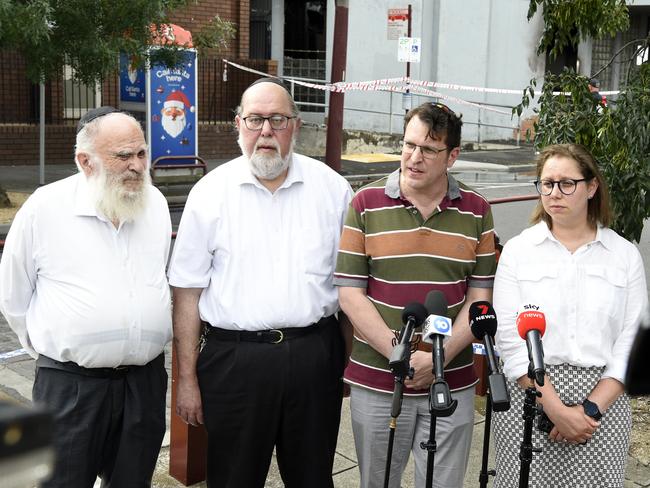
<point x="605" y="288"/>
<point x="539" y="283"/>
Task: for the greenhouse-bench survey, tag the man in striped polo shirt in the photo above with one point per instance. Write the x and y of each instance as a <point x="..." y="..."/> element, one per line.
<point x="414" y="231"/>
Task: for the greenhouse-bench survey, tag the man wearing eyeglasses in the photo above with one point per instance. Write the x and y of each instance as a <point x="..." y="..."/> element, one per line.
<point x="414" y="231"/>
<point x="252" y="267"/>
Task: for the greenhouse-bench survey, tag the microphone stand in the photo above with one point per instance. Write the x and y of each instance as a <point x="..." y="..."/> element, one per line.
<point x="399" y="364"/>
<point x="440" y="404"/>
<point x="485" y="474"/>
<point x="531" y="409"/>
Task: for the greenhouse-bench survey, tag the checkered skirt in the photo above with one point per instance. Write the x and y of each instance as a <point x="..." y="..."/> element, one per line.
<point x="598" y="463"/>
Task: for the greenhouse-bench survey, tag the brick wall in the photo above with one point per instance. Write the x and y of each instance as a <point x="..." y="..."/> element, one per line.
<point x="19" y="143"/>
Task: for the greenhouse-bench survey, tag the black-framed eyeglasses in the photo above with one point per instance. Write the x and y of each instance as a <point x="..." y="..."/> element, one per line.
<point x="428" y="152"/>
<point x="277" y="122"/>
<point x="566" y="186"/>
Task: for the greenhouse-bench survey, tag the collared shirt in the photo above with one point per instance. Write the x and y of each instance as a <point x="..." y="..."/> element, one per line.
<point x="265" y="260"/>
<point x="398" y="256"/>
<point x="593" y="299"/>
<point x="75" y="288"/>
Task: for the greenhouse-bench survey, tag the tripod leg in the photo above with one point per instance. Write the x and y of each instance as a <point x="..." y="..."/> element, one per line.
<point x="389" y="454"/>
<point x="485" y="475"/>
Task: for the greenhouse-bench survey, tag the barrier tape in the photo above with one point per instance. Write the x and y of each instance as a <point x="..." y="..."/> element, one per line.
<point x="387" y="84"/>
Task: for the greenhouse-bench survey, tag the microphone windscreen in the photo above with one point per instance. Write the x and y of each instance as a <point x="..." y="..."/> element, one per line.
<point x="415" y="310"/>
<point x="482" y="319"/>
<point x="436" y="303"/>
<point x="531" y="320"/>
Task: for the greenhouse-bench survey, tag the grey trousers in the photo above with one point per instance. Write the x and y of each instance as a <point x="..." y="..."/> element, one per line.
<point x="370" y="418"/>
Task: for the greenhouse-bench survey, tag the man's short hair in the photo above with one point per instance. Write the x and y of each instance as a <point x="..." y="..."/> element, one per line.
<point x="276" y="81"/>
<point x="443" y="123"/>
<point x="88" y="127"/>
<point x="594" y="82"/>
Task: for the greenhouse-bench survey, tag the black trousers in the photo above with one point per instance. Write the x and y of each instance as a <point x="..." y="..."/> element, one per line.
<point x="107" y="427"/>
<point x="257" y="395"/>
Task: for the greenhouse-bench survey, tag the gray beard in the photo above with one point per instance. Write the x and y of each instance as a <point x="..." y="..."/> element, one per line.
<point x="268" y="167"/>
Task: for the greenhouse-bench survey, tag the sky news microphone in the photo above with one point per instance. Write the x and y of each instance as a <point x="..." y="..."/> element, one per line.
<point x="436" y="327"/>
<point x="483" y="322"/>
<point x="412" y="316"/>
<point x="531" y="325"/>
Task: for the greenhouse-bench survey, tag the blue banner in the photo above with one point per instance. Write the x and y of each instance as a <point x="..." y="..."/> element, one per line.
<point x="132" y="85"/>
<point x="172" y="110"/>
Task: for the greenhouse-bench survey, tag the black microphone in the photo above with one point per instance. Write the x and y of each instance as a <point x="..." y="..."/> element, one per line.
<point x="531" y="324"/>
<point x="412" y="316"/>
<point x="483" y="322"/>
<point x="637" y="380"/>
<point x="436" y="326"/>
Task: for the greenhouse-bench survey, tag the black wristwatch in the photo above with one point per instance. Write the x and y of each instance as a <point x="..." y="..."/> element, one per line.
<point x="591" y="409"/>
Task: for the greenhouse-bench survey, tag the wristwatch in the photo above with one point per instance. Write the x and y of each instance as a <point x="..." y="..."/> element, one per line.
<point x="591" y="409"/>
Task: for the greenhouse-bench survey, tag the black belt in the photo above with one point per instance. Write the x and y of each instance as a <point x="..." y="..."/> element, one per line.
<point x="270" y="336"/>
<point x="70" y="367"/>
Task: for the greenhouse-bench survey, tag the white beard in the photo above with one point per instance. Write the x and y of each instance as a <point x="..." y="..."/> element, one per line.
<point x="173" y="127"/>
<point x="112" y="198"/>
<point x="267" y="167"/>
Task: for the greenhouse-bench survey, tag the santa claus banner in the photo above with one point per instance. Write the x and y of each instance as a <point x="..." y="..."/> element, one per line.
<point x="171" y="110"/>
<point x="132" y="85"/>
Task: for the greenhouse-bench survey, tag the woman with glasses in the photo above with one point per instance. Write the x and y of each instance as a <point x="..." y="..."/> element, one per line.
<point x="589" y="282"/>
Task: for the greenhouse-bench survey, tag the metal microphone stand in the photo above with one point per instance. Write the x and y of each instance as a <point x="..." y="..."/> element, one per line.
<point x="531" y="410"/>
<point x="399" y="364"/>
<point x="485" y="474"/>
<point x="440" y="404"/>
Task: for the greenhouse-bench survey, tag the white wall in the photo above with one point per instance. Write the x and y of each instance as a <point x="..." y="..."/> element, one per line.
<point x="485" y="43"/>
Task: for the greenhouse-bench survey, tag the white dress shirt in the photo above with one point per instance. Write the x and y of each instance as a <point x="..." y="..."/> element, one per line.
<point x="265" y="260"/>
<point x="75" y="288"/>
<point x="593" y="299"/>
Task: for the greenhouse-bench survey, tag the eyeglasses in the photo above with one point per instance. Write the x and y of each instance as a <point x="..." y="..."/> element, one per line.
<point x="427" y="152"/>
<point x="567" y="187"/>
<point x="277" y="122"/>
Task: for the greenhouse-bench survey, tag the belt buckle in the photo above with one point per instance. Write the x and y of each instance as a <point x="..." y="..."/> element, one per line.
<point x="280" y="338"/>
<point x="119" y="369"/>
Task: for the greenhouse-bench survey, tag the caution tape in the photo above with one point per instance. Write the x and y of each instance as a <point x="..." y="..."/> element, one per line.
<point x="403" y="84"/>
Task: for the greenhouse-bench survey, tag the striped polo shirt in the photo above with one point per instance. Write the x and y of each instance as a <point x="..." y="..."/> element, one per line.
<point x="388" y="248"/>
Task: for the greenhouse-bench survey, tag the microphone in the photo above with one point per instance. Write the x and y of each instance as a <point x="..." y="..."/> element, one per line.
<point x="637" y="381"/>
<point x="436" y="327"/>
<point x="412" y="316"/>
<point x="531" y="325"/>
<point x="483" y="322"/>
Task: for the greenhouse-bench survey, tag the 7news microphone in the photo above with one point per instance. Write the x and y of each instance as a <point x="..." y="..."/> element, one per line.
<point x="412" y="316"/>
<point x="483" y="322"/>
<point x="531" y="324"/>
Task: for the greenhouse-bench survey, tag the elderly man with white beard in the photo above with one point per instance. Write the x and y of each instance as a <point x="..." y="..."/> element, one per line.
<point x="82" y="284"/>
<point x="252" y="269"/>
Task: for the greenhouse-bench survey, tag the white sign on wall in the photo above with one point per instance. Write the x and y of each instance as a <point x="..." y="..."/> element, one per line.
<point x="397" y="23"/>
<point x="408" y="49"/>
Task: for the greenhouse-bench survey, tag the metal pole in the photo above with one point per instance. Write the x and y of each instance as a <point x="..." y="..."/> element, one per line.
<point x="41" y="154"/>
<point x="335" y="113"/>
<point x="408" y="64"/>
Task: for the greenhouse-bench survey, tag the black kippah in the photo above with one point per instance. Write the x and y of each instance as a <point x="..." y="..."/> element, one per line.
<point x="93" y="114"/>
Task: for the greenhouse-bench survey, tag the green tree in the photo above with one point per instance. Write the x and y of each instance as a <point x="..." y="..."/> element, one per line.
<point x="618" y="135"/>
<point x="88" y="35"/>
